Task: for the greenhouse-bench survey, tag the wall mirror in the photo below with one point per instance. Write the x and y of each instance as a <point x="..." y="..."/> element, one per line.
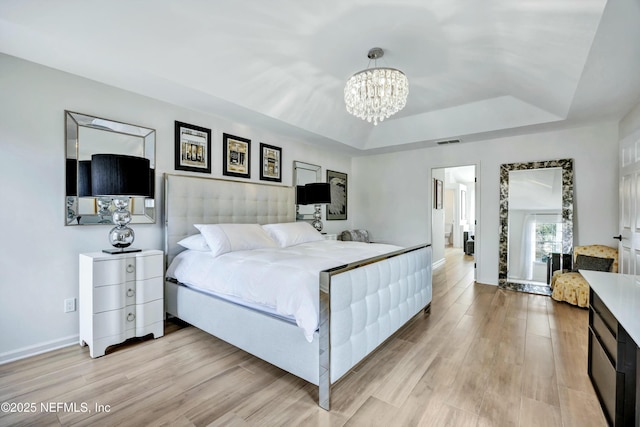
<point x="305" y="173"/>
<point x="86" y="135"/>
<point x="536" y="222"/>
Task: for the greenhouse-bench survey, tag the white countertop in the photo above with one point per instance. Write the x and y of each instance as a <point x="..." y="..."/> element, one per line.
<point x="621" y="294"/>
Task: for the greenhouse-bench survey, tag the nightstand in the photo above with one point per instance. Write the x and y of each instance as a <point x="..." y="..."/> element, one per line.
<point x="121" y="297"/>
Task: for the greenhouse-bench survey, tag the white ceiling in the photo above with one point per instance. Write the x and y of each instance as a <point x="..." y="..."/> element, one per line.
<point x="476" y="69"/>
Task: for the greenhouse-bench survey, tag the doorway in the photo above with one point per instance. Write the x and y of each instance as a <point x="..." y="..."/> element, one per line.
<point x="453" y="222"/>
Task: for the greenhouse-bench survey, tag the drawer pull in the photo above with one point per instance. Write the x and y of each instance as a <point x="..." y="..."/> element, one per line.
<point x="130" y="292"/>
<point x="131" y="317"/>
<point x="130" y="268"/>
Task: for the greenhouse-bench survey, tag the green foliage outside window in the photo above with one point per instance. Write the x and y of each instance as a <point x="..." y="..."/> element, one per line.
<point x="548" y="239"/>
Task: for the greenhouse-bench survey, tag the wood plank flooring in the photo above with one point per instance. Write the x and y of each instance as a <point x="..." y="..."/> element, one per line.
<point x="483" y="357"/>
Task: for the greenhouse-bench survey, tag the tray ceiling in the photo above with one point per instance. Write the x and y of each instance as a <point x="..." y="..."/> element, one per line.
<point x="475" y="69"/>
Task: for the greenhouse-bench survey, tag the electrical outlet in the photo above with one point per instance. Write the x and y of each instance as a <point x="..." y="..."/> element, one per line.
<point x="69" y="305"/>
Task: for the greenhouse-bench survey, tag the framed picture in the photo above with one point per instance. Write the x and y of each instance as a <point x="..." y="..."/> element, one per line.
<point x="236" y="153"/>
<point x="437" y="194"/>
<point x="337" y="209"/>
<point x="270" y="163"/>
<point x="193" y="148"/>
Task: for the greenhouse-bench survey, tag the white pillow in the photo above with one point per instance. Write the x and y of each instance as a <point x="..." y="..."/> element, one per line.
<point x="195" y="242"/>
<point x="223" y="238"/>
<point x="292" y="233"/>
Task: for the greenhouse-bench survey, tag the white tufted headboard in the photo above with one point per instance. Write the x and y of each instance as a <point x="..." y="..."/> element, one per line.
<point x="194" y="200"/>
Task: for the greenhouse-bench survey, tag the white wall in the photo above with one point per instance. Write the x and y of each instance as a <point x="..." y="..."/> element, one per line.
<point x="631" y="122"/>
<point x="39" y="260"/>
<point x="396" y="204"/>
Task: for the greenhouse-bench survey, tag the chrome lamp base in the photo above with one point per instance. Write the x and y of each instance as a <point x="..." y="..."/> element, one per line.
<point x="121" y="236"/>
<point x="317" y="215"/>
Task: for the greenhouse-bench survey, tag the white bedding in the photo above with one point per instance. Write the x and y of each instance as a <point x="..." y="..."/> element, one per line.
<point x="285" y="279"/>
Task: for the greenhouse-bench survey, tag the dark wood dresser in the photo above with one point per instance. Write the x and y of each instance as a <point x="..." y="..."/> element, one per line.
<point x="613" y="352"/>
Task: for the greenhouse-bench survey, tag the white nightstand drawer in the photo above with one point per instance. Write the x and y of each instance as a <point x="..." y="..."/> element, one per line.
<point x="113" y="271"/>
<point x="149" y="266"/>
<point x="106" y="298"/>
<point x="149" y="290"/>
<point x="109" y="324"/>
<point x="115" y="297"/>
<point x="149" y="313"/>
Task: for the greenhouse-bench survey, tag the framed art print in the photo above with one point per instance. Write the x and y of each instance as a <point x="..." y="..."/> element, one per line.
<point x="437" y="194"/>
<point x="337" y="209"/>
<point x="270" y="163"/>
<point x="236" y="156"/>
<point x="193" y="148"/>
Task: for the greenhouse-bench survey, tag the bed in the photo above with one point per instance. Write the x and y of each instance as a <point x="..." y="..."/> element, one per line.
<point x="359" y="304"/>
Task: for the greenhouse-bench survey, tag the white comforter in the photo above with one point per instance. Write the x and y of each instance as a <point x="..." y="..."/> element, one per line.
<point x="285" y="279"/>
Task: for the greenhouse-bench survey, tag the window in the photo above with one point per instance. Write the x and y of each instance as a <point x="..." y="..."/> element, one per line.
<point x="548" y="239"/>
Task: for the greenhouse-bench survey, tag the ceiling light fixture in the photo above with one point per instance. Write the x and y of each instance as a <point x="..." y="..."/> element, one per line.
<point x="376" y="93"/>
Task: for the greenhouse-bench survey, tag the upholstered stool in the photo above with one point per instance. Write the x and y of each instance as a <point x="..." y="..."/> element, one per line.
<point x="355" y="235"/>
<point x="570" y="286"/>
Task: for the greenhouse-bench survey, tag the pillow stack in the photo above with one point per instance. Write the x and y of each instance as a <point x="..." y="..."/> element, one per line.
<point x="223" y="238"/>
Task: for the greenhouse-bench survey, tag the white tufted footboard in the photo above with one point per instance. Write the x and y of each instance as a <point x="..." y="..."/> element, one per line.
<point x="364" y="303"/>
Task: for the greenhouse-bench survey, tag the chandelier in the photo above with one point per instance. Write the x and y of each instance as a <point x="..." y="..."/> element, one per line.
<point x="376" y="93"/>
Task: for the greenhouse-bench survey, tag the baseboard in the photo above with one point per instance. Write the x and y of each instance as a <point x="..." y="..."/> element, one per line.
<point x="437" y="264"/>
<point x="33" y="350"/>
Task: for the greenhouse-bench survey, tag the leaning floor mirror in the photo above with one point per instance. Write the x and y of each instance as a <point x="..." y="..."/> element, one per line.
<point x="536" y="223"/>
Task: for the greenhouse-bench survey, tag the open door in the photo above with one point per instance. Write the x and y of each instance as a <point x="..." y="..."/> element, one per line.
<point x="629" y="203"/>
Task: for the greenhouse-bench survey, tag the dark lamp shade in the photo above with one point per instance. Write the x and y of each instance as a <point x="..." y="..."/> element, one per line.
<point x="152" y="183"/>
<point x="84" y="178"/>
<point x="71" y="177"/>
<point x="119" y="175"/>
<point x="301" y="195"/>
<point x="318" y="193"/>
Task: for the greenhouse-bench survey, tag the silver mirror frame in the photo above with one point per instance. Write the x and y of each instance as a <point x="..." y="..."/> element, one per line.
<point x="74" y="123"/>
<point x="301" y="172"/>
<point x="567" y="219"/>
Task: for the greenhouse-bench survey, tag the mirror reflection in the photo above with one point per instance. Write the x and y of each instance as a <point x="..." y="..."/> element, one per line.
<point x="537" y="222"/>
<point x="305" y="173"/>
<point x="88" y="135"/>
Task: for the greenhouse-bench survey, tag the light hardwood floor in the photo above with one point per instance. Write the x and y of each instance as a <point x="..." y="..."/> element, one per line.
<point x="484" y="357"/>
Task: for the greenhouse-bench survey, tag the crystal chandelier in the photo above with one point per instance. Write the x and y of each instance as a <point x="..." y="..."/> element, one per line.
<point x="376" y="93"/>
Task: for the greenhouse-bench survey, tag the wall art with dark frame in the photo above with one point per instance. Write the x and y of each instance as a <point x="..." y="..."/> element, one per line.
<point x="337" y="209"/>
<point x="193" y="148"/>
<point x="236" y="154"/>
<point x="270" y="163"/>
<point x="437" y="194"/>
